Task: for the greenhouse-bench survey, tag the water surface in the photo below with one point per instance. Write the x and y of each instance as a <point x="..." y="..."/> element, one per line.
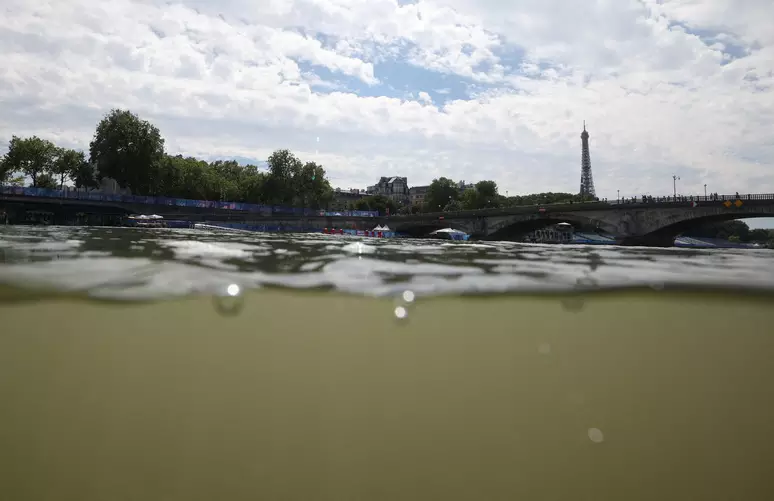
<point x="497" y="377"/>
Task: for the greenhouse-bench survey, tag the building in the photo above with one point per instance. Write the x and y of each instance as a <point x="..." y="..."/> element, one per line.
<point x="417" y="195"/>
<point x="343" y="198"/>
<point x="395" y="188"/>
<point x="463" y="186"/>
<point x="587" y="180"/>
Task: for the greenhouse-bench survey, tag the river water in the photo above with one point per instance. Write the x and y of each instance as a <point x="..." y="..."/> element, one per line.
<point x="185" y="364"/>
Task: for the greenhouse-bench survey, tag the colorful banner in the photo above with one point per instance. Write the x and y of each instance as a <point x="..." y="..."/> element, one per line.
<point x="264" y="210"/>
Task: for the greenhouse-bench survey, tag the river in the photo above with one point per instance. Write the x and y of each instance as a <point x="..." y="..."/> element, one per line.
<point x="193" y="365"/>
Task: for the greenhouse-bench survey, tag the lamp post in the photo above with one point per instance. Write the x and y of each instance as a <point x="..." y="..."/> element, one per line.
<point x="674" y="185"/>
<point x="618" y="192"/>
<point x="705" y="190"/>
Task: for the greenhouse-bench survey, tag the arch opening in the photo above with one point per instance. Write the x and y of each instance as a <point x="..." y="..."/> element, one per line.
<point x="665" y="236"/>
<point x="519" y="229"/>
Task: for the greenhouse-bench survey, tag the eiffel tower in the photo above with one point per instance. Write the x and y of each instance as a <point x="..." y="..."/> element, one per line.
<point x="587" y="181"/>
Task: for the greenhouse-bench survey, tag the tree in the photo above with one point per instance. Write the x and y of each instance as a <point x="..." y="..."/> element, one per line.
<point x="376" y="203"/>
<point x="723" y="230"/>
<point x="453" y="206"/>
<point x="483" y="196"/>
<point x="46" y="181"/>
<point x="67" y="164"/>
<point x="283" y="167"/>
<point x="5" y="171"/>
<point x="760" y="235"/>
<point x="440" y="192"/>
<point x="85" y="175"/>
<point x="312" y="188"/>
<point x="16" y="181"/>
<point x="128" y="150"/>
<point x="32" y="156"/>
<point x="544" y="198"/>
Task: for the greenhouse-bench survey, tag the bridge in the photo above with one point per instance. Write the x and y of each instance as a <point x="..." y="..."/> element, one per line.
<point x="650" y="222"/>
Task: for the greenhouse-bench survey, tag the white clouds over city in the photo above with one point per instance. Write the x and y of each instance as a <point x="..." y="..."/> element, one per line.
<point x="470" y="89"/>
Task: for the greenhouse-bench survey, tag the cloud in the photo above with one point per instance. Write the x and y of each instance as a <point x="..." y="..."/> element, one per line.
<point x="469" y="89"/>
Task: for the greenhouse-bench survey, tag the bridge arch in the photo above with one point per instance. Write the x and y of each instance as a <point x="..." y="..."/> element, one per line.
<point x="521" y="226"/>
<point x="665" y="236"/>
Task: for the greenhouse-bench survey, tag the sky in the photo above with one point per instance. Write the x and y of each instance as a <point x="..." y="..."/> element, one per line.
<point x="467" y="89"/>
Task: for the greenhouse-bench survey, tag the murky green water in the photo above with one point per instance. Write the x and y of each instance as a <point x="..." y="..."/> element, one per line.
<point x="351" y="390"/>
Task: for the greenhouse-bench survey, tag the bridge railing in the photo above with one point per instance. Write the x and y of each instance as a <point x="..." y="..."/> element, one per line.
<point x="693" y="198"/>
<point x="594" y="204"/>
<point x="265" y="210"/>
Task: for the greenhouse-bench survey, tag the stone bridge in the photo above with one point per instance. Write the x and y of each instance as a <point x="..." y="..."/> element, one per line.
<point x="652" y="223"/>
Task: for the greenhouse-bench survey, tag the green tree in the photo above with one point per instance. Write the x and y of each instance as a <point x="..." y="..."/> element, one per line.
<point x="32" y="156"/>
<point x="283" y="167"/>
<point x="543" y="198"/>
<point x="67" y="164"/>
<point x="128" y="150"/>
<point x="483" y="196"/>
<point x="254" y="185"/>
<point x="376" y="203"/>
<point x="16" y="181"/>
<point x="46" y="181"/>
<point x="5" y="171"/>
<point x="440" y="193"/>
<point x="453" y="206"/>
<point x="760" y="235"/>
<point x="85" y="176"/>
<point x="312" y="188"/>
<point x="723" y="230"/>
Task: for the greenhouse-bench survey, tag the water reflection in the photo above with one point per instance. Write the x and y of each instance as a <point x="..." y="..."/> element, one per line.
<point x="160" y="262"/>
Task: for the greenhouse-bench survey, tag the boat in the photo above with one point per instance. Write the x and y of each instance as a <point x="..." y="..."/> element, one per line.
<point x="145" y="221"/>
<point x="449" y="234"/>
<point x="560" y="233"/>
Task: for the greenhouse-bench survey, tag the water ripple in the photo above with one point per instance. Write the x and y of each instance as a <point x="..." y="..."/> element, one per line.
<point x="123" y="263"/>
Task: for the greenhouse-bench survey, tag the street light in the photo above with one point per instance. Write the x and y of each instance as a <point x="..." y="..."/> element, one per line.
<point x="619" y="195"/>
<point x="674" y="184"/>
<point x="705" y="190"/>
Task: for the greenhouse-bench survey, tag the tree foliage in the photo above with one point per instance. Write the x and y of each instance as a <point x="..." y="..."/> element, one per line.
<point x="483" y="196"/>
<point x="545" y="198"/>
<point x="129" y="150"/>
<point x="68" y="163"/>
<point x="47" y="181"/>
<point x="31" y="156"/>
<point x="376" y="203"/>
<point x="440" y="193"/>
<point x="735" y="231"/>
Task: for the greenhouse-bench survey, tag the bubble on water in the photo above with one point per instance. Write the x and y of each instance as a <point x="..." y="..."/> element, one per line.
<point x="596" y="435"/>
<point x="408" y="296"/>
<point x="230" y="301"/>
<point x="544" y="349"/>
<point x="401" y="313"/>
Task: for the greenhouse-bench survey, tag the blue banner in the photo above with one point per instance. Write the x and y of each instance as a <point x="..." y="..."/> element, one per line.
<point x="264" y="210"/>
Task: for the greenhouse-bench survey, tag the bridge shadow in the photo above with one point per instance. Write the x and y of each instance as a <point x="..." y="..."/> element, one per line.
<point x="423" y="230"/>
<point x="518" y="230"/>
<point x="665" y="237"/>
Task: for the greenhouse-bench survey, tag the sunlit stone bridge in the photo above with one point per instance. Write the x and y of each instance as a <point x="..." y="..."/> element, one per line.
<point x="654" y="222"/>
